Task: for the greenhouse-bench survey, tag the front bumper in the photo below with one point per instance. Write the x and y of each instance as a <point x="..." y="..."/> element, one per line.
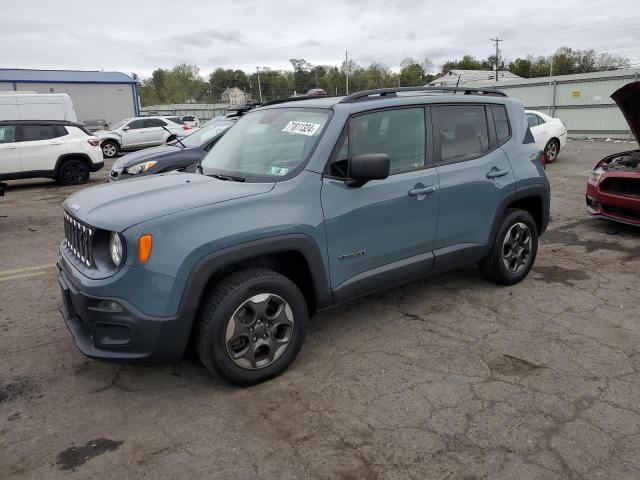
<point x="619" y="208"/>
<point x="112" y="329"/>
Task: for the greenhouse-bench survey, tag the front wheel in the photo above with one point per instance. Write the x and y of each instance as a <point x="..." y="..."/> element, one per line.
<point x="251" y="326"/>
<point x="551" y="150"/>
<point x="514" y="249"/>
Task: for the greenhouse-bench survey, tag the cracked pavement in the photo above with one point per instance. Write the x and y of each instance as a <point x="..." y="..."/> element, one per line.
<point x="447" y="378"/>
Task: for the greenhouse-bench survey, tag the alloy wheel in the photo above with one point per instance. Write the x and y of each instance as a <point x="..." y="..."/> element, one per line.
<point x="516" y="248"/>
<point x="109" y="150"/>
<point x="259" y="331"/>
<point x="552" y="152"/>
<point x="74" y="174"/>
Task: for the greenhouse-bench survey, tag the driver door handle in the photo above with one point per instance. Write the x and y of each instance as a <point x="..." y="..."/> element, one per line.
<point x="497" y="172"/>
<point x="414" y="192"/>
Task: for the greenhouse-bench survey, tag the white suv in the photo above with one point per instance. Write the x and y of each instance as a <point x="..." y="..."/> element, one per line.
<point x="65" y="151"/>
<point x="139" y="132"/>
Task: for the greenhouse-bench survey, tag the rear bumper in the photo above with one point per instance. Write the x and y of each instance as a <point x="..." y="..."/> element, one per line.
<point x="95" y="166"/>
<point x="112" y="329"/>
<point x="619" y="208"/>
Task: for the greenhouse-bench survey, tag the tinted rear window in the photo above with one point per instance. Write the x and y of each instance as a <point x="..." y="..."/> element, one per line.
<point x="177" y="120"/>
<point x="32" y="133"/>
<point x="501" y="122"/>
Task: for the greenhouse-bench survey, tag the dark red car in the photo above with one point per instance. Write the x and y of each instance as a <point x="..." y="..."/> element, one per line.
<point x="613" y="189"/>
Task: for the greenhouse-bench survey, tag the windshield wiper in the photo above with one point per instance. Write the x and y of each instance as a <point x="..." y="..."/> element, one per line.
<point x="228" y="178"/>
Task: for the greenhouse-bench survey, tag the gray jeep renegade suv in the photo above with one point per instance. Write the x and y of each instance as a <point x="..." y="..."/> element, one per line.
<point x="304" y="204"/>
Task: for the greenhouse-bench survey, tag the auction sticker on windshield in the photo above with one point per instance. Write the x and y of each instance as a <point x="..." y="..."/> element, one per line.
<point x="301" y="128"/>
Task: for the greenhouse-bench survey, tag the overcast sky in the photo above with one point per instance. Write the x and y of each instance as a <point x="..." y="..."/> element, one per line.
<point x="132" y="36"/>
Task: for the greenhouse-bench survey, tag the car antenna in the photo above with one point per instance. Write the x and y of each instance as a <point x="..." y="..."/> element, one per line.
<point x="157" y="122"/>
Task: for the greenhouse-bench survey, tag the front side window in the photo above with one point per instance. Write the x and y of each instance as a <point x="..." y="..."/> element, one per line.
<point x="32" y="133"/>
<point x="7" y="133"/>
<point x="206" y="133"/>
<point x="137" y="124"/>
<point x="462" y="132"/>
<point x="267" y="144"/>
<point x="398" y="133"/>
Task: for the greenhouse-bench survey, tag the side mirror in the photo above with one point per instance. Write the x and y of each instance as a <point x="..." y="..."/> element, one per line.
<point x="126" y="127"/>
<point x="370" y="166"/>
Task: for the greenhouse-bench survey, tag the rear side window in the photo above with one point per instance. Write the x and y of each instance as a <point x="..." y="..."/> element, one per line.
<point x="189" y="118"/>
<point x="501" y="123"/>
<point x="534" y="120"/>
<point x="177" y="120"/>
<point x="32" y="133"/>
<point x="461" y="131"/>
<point x="7" y="133"/>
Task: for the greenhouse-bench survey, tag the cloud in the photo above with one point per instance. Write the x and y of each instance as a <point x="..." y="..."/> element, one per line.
<point x="310" y="42"/>
<point x="203" y="38"/>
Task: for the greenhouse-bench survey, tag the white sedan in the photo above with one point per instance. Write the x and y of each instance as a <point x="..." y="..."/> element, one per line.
<point x="549" y="133"/>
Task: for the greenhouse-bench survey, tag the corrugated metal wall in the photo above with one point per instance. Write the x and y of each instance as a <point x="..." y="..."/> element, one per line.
<point x="91" y="101"/>
<point x="582" y="102"/>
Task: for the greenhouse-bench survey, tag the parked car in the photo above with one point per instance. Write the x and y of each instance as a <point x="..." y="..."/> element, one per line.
<point x="36" y="106"/>
<point x="549" y="133"/>
<point x="177" y="155"/>
<point x="317" y="92"/>
<point x="613" y="189"/>
<point x="139" y="132"/>
<point x="64" y="151"/>
<point x="302" y="205"/>
<point x="96" y="125"/>
<point x="191" y="120"/>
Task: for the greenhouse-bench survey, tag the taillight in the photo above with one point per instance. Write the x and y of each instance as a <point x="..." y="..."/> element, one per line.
<point x="543" y="160"/>
<point x="94" y="142"/>
<point x="186" y="127"/>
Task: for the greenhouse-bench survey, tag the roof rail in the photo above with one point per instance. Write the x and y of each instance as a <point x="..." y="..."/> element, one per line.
<point x="291" y="99"/>
<point x="392" y="92"/>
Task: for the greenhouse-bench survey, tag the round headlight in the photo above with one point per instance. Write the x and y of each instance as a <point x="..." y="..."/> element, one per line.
<point x="115" y="249"/>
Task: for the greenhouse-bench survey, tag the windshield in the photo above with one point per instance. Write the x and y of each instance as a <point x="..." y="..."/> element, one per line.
<point x="119" y="124"/>
<point x="206" y="133"/>
<point x="267" y="143"/>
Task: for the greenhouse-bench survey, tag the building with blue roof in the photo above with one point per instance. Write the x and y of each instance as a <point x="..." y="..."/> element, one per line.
<point x="96" y="95"/>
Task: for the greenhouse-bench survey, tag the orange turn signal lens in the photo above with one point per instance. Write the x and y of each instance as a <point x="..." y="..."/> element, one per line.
<point x="145" y="244"/>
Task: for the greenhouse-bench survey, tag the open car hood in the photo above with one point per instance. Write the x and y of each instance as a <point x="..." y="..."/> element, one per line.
<point x="628" y="100"/>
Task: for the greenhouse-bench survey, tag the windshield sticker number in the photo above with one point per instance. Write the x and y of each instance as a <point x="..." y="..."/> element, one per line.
<point x="301" y="128"/>
<point x="278" y="171"/>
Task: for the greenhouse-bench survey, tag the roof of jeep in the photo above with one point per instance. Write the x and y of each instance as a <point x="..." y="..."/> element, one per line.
<point x="371" y="99"/>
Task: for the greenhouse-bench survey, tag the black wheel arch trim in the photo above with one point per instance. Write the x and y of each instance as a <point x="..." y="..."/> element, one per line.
<point x="214" y="262"/>
<point x="86" y="159"/>
<point x="538" y="190"/>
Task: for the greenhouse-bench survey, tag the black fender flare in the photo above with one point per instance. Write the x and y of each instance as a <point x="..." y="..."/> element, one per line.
<point x="214" y="262"/>
<point x="537" y="190"/>
<point x="76" y="156"/>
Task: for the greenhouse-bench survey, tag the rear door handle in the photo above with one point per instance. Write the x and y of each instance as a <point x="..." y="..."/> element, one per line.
<point x="496" y="172"/>
<point x="414" y="192"/>
<point x="55" y="143"/>
<point x="8" y="148"/>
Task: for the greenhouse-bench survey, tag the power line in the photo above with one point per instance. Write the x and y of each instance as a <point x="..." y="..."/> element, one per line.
<point x="497" y="41"/>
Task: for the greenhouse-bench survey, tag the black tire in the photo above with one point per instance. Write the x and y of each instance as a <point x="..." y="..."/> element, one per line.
<point x="73" y="172"/>
<point x="109" y="148"/>
<point x="493" y="266"/>
<point x="552" y="150"/>
<point x="222" y="303"/>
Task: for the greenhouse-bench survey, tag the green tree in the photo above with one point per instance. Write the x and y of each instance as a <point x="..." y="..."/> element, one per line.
<point x="411" y="73"/>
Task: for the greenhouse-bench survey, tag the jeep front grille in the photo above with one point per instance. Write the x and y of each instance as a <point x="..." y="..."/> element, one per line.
<point x="79" y="239"/>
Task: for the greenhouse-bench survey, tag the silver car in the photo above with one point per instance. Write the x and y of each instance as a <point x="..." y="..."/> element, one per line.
<point x="139" y="132"/>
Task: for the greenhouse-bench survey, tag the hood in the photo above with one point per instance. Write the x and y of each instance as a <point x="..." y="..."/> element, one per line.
<point x="118" y="206"/>
<point x="153" y="153"/>
<point x="103" y="133"/>
<point x="628" y="100"/>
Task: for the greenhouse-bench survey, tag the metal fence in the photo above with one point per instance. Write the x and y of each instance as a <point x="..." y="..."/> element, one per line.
<point x="204" y="111"/>
<point x="583" y="101"/>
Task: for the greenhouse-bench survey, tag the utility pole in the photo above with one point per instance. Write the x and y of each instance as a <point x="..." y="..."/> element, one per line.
<point x="346" y="68"/>
<point x="497" y="41"/>
<point x="259" y="86"/>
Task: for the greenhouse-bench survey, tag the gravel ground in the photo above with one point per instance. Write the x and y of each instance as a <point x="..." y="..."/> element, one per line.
<point x="450" y="377"/>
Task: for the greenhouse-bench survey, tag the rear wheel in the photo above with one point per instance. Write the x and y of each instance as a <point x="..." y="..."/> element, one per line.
<point x="73" y="172"/>
<point x="551" y="150"/>
<point x="251" y="326"/>
<point x="514" y="249"/>
<point x="109" y="149"/>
